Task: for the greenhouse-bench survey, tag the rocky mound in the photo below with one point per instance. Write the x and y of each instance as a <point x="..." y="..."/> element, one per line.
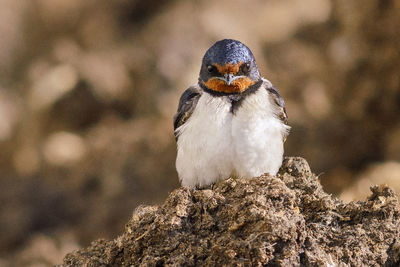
<point x="284" y="220"/>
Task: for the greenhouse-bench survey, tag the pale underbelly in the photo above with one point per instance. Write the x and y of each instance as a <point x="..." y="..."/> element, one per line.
<point x="234" y="146"/>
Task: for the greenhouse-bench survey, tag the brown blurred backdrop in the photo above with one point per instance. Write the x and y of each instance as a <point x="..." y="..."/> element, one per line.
<point x="88" y="90"/>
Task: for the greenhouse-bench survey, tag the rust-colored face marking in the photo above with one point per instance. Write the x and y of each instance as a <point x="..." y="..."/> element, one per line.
<point x="237" y="86"/>
<point x="228" y="68"/>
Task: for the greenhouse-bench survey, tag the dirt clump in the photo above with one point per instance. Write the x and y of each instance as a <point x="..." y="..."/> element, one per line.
<point x="283" y="220"/>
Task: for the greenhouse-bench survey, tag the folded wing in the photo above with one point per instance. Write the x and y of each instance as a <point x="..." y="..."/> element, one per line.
<point x="187" y="104"/>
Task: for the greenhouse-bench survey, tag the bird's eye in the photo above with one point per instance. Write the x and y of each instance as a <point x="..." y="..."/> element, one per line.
<point x="211" y="68"/>
<point x="245" y="68"/>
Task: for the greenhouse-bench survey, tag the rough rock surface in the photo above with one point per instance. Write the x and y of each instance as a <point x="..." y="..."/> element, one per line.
<point x="285" y="220"/>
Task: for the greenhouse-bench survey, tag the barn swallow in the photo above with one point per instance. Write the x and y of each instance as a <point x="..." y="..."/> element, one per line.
<point x="232" y="123"/>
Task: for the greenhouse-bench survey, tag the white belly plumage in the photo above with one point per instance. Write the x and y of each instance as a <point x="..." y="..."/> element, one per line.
<point x="215" y="144"/>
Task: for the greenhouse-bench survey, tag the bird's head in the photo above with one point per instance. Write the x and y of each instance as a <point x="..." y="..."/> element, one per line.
<point x="229" y="67"/>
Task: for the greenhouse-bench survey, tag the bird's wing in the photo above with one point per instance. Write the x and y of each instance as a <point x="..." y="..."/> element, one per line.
<point x="279" y="106"/>
<point x="187" y="104"/>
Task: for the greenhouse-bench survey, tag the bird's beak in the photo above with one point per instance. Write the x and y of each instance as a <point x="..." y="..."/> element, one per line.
<point x="229" y="78"/>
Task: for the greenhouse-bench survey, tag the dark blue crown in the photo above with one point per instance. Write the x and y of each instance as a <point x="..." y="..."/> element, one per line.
<point x="228" y="51"/>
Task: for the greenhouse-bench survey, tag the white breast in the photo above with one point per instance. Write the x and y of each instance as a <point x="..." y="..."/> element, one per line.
<point x="215" y="144"/>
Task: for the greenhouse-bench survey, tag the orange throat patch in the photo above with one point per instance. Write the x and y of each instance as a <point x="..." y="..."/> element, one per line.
<point x="237" y="86"/>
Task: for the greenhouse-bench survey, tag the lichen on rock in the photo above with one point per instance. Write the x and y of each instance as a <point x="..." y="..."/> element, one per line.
<point x="283" y="220"/>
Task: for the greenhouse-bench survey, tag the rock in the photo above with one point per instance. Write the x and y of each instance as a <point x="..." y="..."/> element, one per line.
<point x="285" y="220"/>
<point x="382" y="173"/>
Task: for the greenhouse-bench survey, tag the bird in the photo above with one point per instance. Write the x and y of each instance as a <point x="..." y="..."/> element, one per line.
<point x="231" y="123"/>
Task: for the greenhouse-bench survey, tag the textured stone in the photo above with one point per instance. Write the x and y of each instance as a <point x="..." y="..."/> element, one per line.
<point x="286" y="220"/>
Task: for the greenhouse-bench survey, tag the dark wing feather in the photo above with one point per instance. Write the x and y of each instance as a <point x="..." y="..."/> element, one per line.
<point x="280" y="107"/>
<point x="278" y="100"/>
<point x="187" y="104"/>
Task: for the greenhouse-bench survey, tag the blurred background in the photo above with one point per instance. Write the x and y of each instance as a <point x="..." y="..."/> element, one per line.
<point x="88" y="90"/>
